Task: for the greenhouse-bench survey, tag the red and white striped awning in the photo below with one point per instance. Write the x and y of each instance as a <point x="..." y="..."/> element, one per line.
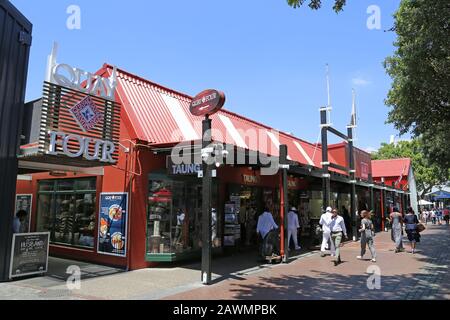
<point x="161" y="116"/>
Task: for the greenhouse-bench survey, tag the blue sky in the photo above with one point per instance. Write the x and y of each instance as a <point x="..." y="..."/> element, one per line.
<point x="268" y="58"/>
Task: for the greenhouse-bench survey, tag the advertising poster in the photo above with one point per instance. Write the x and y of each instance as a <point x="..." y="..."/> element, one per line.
<point x="29" y="254"/>
<point x="112" y="229"/>
<point x="23" y="202"/>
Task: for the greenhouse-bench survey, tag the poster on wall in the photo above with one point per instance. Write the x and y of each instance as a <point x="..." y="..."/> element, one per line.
<point x="113" y="218"/>
<point x="23" y="202"/>
<point x="29" y="254"/>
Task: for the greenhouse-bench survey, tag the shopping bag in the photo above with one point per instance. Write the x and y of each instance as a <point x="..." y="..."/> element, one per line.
<point x="420" y="227"/>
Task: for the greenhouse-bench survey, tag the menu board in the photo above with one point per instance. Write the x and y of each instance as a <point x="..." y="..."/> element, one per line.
<point x="29" y="254"/>
<point x="112" y="229"/>
<point x="23" y="202"/>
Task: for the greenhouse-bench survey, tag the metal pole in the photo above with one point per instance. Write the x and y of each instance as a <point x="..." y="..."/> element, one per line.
<point x="382" y="209"/>
<point x="383" y="205"/>
<point x="284" y="208"/>
<point x="326" y="174"/>
<point x="206" y="207"/>
<point x="353" y="206"/>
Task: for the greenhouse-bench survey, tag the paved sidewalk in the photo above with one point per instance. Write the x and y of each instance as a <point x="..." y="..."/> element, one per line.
<point x="423" y="275"/>
<point x="403" y="276"/>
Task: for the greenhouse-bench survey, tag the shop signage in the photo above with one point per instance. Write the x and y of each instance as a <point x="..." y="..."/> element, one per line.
<point x="24" y="202"/>
<point x="102" y="150"/>
<point x="29" y="254"/>
<point x="250" y="179"/>
<point x="75" y="78"/>
<point x="113" y="219"/>
<point x="183" y="168"/>
<point x="207" y="102"/>
<point x="79" y="120"/>
<point x="364" y="170"/>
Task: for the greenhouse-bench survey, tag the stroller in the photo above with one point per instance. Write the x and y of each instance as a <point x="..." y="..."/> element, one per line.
<point x="269" y="247"/>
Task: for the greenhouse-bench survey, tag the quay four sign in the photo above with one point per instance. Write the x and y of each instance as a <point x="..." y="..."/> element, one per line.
<point x="85" y="113"/>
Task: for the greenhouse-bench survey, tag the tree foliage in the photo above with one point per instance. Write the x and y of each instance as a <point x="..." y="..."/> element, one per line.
<point x="317" y="4"/>
<point x="420" y="92"/>
<point x="427" y="175"/>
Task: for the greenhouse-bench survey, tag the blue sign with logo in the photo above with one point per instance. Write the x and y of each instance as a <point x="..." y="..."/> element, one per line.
<point x="112" y="229"/>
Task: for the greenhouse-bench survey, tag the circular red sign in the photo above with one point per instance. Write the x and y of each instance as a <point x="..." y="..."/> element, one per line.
<point x="207" y="102"/>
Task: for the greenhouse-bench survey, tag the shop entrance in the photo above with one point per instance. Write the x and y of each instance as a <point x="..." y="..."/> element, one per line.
<point x="174" y="215"/>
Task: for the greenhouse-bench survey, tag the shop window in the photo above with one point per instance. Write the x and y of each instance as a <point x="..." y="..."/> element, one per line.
<point x="174" y="216"/>
<point x="67" y="210"/>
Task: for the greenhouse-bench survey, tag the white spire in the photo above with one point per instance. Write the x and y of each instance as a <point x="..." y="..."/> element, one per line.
<point x="328" y="95"/>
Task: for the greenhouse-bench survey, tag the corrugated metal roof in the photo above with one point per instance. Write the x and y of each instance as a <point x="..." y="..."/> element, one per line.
<point x="390" y="167"/>
<point x="161" y="116"/>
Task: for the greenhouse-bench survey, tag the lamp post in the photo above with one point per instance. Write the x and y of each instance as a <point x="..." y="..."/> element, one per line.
<point x="205" y="104"/>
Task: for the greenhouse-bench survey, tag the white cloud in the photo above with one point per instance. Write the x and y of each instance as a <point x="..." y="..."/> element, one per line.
<point x="361" y="82"/>
<point x="370" y="149"/>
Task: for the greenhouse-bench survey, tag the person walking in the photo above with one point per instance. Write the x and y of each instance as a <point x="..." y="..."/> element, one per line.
<point x="396" y="222"/>
<point x="337" y="228"/>
<point x="439" y="216"/>
<point x="446" y="216"/>
<point x="433" y="216"/>
<point x="266" y="224"/>
<point x="293" y="226"/>
<point x="411" y="222"/>
<point x="425" y="216"/>
<point x="324" y="221"/>
<point x="367" y="234"/>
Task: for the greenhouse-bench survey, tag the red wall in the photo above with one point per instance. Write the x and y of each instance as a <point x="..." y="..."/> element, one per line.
<point x="363" y="161"/>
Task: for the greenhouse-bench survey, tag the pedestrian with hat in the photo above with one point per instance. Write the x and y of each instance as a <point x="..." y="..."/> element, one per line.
<point x="293" y="226"/>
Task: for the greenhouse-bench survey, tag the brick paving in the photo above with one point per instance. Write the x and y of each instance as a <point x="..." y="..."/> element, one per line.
<point x="404" y="276"/>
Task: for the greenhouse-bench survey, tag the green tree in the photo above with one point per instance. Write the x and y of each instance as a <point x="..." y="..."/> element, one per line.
<point x="419" y="68"/>
<point x="427" y="175"/>
<point x="317" y="4"/>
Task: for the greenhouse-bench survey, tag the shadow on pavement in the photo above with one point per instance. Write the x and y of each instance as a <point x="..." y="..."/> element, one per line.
<point x="430" y="283"/>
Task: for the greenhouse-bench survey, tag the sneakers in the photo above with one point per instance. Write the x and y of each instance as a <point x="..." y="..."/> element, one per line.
<point x="374" y="260"/>
<point x="322" y="255"/>
<point x="359" y="257"/>
<point x="298" y="248"/>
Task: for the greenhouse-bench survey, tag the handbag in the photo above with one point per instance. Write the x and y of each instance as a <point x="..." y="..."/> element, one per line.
<point x="420" y="227"/>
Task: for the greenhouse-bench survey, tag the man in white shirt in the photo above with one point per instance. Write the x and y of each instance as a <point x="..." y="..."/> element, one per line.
<point x="264" y="227"/>
<point x="325" y="220"/>
<point x="265" y="223"/>
<point x="337" y="227"/>
<point x="293" y="225"/>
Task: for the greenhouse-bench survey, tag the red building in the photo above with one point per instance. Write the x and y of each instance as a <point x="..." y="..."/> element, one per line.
<point x="397" y="173"/>
<point x="164" y="197"/>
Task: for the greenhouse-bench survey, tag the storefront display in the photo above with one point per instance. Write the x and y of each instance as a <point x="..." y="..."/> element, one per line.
<point x="232" y="228"/>
<point x="24" y="202"/>
<point x="66" y="208"/>
<point x="112" y="230"/>
<point x="174" y="217"/>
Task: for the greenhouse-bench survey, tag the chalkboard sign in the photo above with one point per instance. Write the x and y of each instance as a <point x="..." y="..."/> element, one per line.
<point x="29" y="254"/>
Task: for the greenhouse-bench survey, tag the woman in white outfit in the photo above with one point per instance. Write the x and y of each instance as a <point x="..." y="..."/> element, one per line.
<point x="293" y="226"/>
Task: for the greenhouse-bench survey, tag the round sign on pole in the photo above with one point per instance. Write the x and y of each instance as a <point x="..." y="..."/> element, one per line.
<point x="207" y="102"/>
